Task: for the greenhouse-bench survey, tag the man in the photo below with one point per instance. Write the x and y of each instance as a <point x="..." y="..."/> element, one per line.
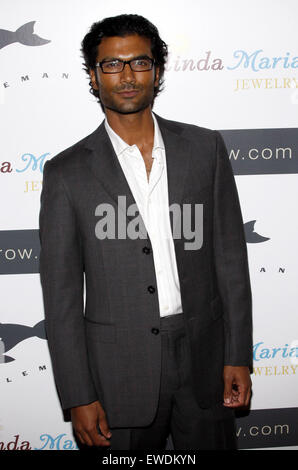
<point x="163" y="344"/>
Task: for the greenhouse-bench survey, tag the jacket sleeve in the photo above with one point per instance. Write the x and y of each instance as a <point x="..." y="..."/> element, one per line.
<point x="231" y="262"/>
<point x="62" y="280"/>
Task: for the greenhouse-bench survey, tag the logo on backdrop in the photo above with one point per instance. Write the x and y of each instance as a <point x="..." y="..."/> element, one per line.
<point x="256" y="61"/>
<point x="19" y="252"/>
<point x="242" y="59"/>
<point x="23" y="35"/>
<point x="59" y="442"/>
<point x="262" y="151"/>
<point x="28" y="164"/>
<point x="12" y="334"/>
<point x="15" y="444"/>
<point x="267" y="428"/>
<point x="273" y="361"/>
<point x="250" y="235"/>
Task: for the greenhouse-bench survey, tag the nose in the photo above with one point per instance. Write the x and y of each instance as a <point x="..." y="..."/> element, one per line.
<point x="127" y="75"/>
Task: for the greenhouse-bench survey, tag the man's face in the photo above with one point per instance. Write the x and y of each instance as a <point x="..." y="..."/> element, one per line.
<point x="125" y="92"/>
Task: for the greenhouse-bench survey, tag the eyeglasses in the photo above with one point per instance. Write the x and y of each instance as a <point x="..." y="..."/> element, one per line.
<point x="140" y="64"/>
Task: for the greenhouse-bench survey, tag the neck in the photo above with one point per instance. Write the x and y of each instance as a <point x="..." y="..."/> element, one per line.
<point x="136" y="128"/>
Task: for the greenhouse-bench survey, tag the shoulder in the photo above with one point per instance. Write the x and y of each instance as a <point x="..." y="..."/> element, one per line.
<point x="202" y="139"/>
<point x="188" y="131"/>
<point x="73" y="156"/>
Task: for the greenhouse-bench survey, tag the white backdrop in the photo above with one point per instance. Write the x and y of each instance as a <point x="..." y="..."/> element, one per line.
<point x="46" y="107"/>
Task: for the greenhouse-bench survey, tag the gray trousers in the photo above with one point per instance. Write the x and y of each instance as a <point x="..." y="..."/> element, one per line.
<point x="178" y="414"/>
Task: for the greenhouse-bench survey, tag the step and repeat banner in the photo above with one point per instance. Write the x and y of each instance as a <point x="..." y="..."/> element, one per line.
<point x="233" y="66"/>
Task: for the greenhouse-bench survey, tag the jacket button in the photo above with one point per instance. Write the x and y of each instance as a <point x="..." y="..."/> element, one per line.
<point x="151" y="289"/>
<point x="146" y="250"/>
<point x="155" y="331"/>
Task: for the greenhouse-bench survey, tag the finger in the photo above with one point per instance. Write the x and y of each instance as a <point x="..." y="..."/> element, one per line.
<point x="235" y="401"/>
<point x="86" y="439"/>
<point x="79" y="436"/>
<point x="243" y="397"/>
<point x="248" y="396"/>
<point x="98" y="439"/>
<point x="104" y="427"/>
<point x="228" y="391"/>
<point x="235" y="393"/>
<point x="234" y="404"/>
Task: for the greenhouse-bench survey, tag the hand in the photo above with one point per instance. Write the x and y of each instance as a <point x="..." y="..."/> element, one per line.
<point x="86" y="420"/>
<point x="237" y="386"/>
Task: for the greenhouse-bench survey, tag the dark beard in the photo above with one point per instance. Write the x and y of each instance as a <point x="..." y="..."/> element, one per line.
<point x="134" y="110"/>
<point x="128" y="107"/>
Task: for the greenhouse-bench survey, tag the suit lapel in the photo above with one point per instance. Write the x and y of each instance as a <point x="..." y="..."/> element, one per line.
<point x="178" y="155"/>
<point x="105" y="166"/>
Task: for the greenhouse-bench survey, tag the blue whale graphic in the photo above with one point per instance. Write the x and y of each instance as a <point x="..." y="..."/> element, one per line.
<point x="23" y="35"/>
<point x="12" y="334"/>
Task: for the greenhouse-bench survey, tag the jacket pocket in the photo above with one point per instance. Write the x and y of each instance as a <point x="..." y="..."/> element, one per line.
<point x="102" y="332"/>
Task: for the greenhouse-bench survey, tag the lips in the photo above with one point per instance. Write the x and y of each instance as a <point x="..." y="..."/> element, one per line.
<point x="128" y="93"/>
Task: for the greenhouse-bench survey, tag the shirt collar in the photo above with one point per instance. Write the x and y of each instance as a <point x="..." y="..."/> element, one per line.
<point x="120" y="145"/>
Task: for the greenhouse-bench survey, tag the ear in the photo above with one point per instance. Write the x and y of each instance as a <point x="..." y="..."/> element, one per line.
<point x="93" y="79"/>
<point x="156" y="80"/>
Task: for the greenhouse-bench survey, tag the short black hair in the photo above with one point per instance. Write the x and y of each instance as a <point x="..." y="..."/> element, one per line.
<point x="123" y="25"/>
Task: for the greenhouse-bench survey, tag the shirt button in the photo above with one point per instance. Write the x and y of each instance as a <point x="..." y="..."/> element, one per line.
<point x="155" y="331"/>
<point x="151" y="289"/>
<point x="146" y="250"/>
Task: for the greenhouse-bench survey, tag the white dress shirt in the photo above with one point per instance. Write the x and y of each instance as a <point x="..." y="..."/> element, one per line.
<point x="152" y="200"/>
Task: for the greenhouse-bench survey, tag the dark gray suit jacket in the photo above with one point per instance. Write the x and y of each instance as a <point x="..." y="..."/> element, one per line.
<point x="107" y="348"/>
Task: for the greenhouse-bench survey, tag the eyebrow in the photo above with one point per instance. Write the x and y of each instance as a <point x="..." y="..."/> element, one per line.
<point x="109" y="59"/>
